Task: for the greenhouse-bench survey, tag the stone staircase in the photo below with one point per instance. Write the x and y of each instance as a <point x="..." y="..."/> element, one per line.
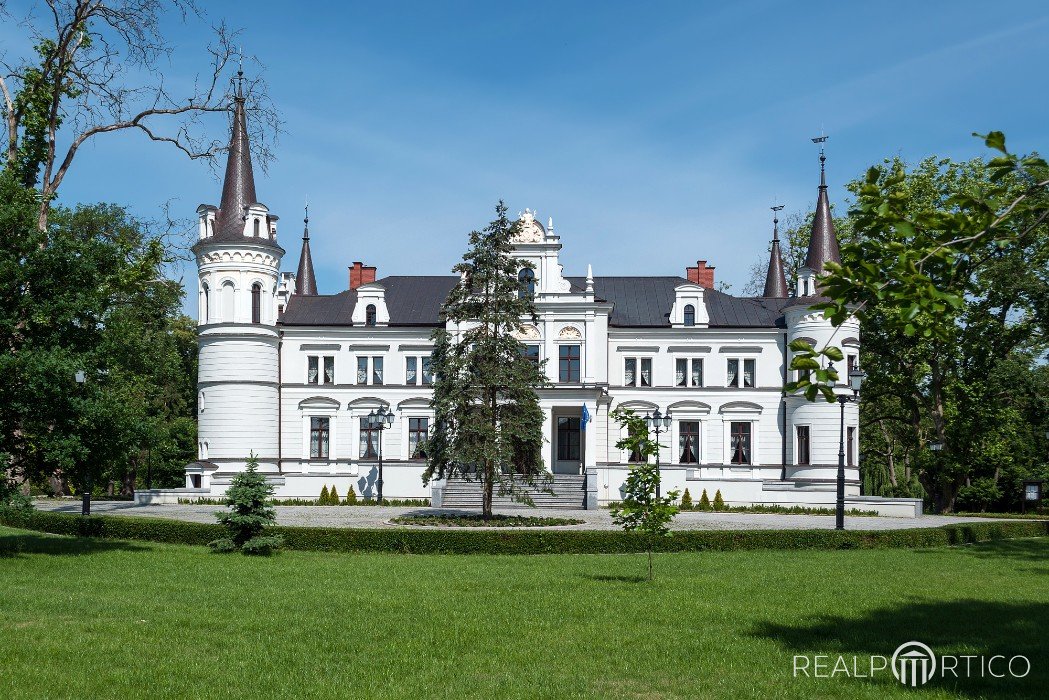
<point x="569" y="493"/>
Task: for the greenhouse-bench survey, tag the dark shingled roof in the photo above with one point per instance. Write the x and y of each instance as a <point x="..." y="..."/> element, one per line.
<point x="823" y="245"/>
<point x="639" y="302"/>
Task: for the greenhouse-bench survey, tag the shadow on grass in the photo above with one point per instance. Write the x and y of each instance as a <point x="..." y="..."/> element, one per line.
<point x="957" y="628"/>
<point x="615" y="578"/>
<point x="18" y="545"/>
<point x="1031" y="550"/>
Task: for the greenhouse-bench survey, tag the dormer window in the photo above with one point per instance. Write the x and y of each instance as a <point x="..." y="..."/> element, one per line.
<point x="526" y="279"/>
<point x="369" y="315"/>
<point x="690" y="315"/>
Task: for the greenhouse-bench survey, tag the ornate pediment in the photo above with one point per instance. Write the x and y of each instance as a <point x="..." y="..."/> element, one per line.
<point x="527" y="331"/>
<point x="529" y="230"/>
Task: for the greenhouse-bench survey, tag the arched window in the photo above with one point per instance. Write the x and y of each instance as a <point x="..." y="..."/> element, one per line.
<point x="690" y="315"/>
<point x="227" y="302"/>
<point x="205" y="302"/>
<point x="256" y="303"/>
<point x="369" y="315"/>
<point x="526" y="278"/>
<point x="256" y="228"/>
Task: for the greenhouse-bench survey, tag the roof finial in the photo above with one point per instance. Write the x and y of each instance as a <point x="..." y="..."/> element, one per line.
<point x="589" y="279"/>
<point x="306" y="221"/>
<point x="822" y="139"/>
<point x="776" y="209"/>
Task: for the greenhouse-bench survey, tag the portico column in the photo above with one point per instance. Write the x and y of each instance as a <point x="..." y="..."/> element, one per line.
<point x="548" y="438"/>
<point x="590" y="450"/>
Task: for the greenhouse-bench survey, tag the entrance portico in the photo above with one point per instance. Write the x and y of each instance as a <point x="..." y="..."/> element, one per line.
<point x="571" y="446"/>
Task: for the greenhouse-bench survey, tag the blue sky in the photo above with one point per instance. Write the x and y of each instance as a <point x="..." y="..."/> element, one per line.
<point x="655" y="134"/>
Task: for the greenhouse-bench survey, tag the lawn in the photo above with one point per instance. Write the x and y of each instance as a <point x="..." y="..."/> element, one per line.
<point x="96" y="618"/>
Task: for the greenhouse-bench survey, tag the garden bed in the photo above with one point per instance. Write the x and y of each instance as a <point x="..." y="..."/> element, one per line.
<point x="479" y="521"/>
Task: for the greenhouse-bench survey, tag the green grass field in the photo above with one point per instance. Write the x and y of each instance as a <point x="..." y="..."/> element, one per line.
<point x="96" y="618"/>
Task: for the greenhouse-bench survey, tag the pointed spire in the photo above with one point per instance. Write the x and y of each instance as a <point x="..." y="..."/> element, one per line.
<point x="238" y="186"/>
<point x="775" y="280"/>
<point x="305" y="280"/>
<point x="823" y="245"/>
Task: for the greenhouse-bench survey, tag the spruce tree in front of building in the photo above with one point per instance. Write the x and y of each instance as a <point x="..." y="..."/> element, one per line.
<point x="686" y="500"/>
<point x="719" y="501"/>
<point x="487" y="419"/>
<point x="248" y="498"/>
<point x="704" y="501"/>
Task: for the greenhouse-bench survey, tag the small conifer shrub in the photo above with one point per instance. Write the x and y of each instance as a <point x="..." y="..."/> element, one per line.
<point x="333" y="496"/>
<point x="250" y="512"/>
<point x="323" y="498"/>
<point x="719" y="502"/>
<point x="704" y="501"/>
<point x="351" y="497"/>
<point x="686" y="501"/>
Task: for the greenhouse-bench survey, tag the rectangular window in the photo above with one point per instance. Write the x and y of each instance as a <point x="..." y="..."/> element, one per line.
<point x="568" y="363"/>
<point x="312" y="373"/>
<point x="319" y="431"/>
<point x="629" y="371"/>
<point x="329" y="370"/>
<point x="410" y="371"/>
<point x="803" y="445"/>
<point x="635" y="453"/>
<point x="418" y="431"/>
<point x="646" y="371"/>
<point x="850" y="364"/>
<point x="632" y="376"/>
<point x="740" y="441"/>
<point x="745" y="379"/>
<point x="369" y="440"/>
<point x="850" y="446"/>
<point x="688" y="442"/>
<point x="427" y="371"/>
<point x="567" y="438"/>
<point x="684" y="377"/>
<point x="377" y="370"/>
<point x="362" y="370"/>
<point x="531" y="352"/>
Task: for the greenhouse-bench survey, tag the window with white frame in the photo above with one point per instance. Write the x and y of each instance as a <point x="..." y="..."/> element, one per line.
<point x="568" y="363"/>
<point x="740" y="441"/>
<point x="804" y="445"/>
<point x="688" y="371"/>
<point x="370" y="370"/>
<point x="741" y="372"/>
<point x="418" y="432"/>
<point x="314" y="365"/>
<point x="369" y="448"/>
<point x="637" y="371"/>
<point x="688" y="441"/>
<point x="412" y="374"/>
<point x="320" y="432"/>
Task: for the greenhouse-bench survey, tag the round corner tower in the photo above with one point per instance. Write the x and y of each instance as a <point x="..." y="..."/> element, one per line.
<point x="238" y="270"/>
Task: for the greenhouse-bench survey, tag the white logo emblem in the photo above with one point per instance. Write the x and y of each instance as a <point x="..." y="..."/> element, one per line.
<point x="913" y="664"/>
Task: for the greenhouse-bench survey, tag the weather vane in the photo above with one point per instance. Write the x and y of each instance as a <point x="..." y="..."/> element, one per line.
<point x="776" y="209"/>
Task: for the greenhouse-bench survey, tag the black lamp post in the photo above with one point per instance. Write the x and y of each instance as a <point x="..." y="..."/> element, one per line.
<point x="658" y="423"/>
<point x="856" y="377"/>
<point x="85" y="496"/>
<point x="380" y="420"/>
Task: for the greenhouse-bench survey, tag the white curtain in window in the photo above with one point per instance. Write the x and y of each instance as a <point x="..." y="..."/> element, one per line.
<point x="311" y="372"/>
<point x="329" y="370"/>
<point x="733" y="372"/>
<point x="631" y="369"/>
<point x="697" y="372"/>
<point x="362" y="370"/>
<point x="646" y="372"/>
<point x="376" y="370"/>
<point x="680" y="367"/>
<point x="748" y="372"/>
<point x="410" y="370"/>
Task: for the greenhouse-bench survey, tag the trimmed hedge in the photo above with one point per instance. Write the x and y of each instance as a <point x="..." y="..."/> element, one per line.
<point x="469" y="541"/>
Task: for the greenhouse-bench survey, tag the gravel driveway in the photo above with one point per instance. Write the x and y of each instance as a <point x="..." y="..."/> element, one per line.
<point x="375" y="516"/>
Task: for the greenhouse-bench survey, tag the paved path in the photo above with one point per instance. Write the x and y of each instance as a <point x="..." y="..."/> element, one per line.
<point x="375" y="516"/>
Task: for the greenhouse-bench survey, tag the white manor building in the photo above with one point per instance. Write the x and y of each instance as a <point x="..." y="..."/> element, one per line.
<point x="291" y="374"/>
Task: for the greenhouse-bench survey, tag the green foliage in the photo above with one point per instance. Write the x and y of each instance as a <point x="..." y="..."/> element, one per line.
<point x="481" y="541"/>
<point x="333" y="496"/>
<point x="351" y="497"/>
<point x="322" y="500"/>
<point x="979" y="496"/>
<point x="11" y="496"/>
<point x="90" y="294"/>
<point x="250" y="512"/>
<point x="480" y="521"/>
<point x="686" y="501"/>
<point x="719" y="502"/>
<point x="487" y="418"/>
<point x="704" y="501"/>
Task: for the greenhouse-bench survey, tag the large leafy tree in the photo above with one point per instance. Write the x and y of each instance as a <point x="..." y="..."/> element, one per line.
<point x="488" y="423"/>
<point x="949" y="274"/>
<point x="89" y="294"/>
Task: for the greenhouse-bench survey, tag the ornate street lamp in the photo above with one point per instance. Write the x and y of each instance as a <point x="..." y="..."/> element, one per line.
<point x="856" y="377"/>
<point x="380" y="420"/>
<point x="658" y="423"/>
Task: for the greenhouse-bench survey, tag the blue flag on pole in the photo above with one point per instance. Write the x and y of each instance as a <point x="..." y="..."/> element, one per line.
<point x="585" y="417"/>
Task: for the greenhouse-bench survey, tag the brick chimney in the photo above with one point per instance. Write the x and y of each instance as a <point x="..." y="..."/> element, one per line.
<point x="361" y="274"/>
<point x="701" y="274"/>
